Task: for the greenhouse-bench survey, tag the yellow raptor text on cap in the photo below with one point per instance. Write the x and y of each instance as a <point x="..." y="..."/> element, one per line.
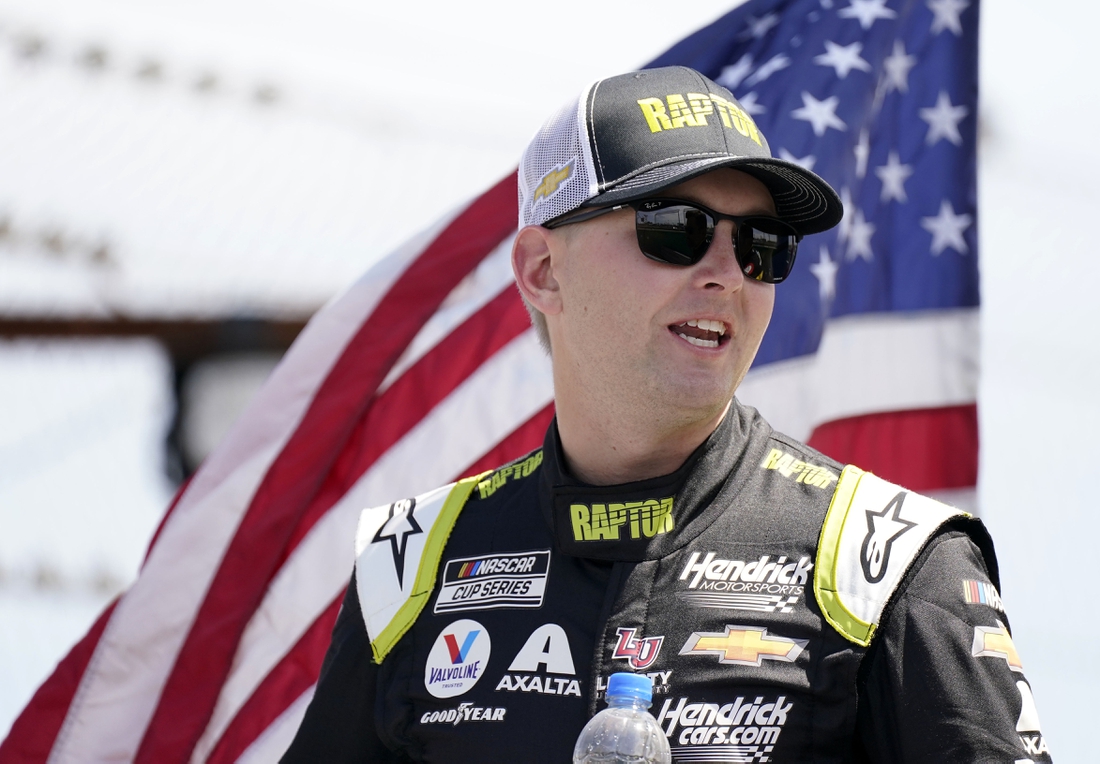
<point x="693" y="112"/>
<point x="552" y="181"/>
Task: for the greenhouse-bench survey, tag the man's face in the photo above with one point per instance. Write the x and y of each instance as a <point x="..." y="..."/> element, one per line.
<point x="623" y="329"/>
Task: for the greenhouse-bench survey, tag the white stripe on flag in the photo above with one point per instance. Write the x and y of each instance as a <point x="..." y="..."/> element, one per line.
<point x="871" y="364"/>
<point x="120" y="688"/>
<point x="491" y="277"/>
<point x="503" y="393"/>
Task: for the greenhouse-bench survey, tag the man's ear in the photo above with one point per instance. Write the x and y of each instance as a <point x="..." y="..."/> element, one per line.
<point x="534" y="269"/>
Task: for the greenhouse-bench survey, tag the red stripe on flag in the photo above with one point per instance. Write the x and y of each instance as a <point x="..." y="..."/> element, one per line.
<point x="295" y="673"/>
<point x="412" y="397"/>
<point x="32" y="736"/>
<point x="291" y="482"/>
<point x="908" y="447"/>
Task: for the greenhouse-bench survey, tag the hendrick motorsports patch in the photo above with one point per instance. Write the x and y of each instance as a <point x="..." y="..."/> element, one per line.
<point x="513" y="580"/>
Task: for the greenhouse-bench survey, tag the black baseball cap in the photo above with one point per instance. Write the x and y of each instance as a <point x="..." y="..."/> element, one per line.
<point x="632" y="136"/>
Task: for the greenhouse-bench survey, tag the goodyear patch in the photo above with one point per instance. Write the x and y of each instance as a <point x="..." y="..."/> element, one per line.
<point x="607" y="522"/>
<point x="790" y="466"/>
<point x="676" y="111"/>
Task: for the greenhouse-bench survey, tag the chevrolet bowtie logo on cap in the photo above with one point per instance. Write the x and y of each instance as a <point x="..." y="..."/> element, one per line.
<point x="552" y="181"/>
<point x="744" y="645"/>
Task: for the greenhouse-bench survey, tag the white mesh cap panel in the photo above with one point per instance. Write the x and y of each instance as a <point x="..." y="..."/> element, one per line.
<point x="556" y="173"/>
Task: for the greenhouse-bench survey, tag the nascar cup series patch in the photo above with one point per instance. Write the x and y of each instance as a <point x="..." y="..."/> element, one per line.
<point x="457" y="659"/>
<point x="486" y="582"/>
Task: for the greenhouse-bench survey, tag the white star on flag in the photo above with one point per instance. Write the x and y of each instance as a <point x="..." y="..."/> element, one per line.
<point x="806" y="162"/>
<point x="843" y="58"/>
<point x="732" y="75"/>
<point x="862" y="151"/>
<point x="893" y="175"/>
<point x="820" y="114"/>
<point x="758" y="27"/>
<point x="824" y="270"/>
<point x="897" y="66"/>
<point x="947" y="229"/>
<point x="867" y="11"/>
<point x="749" y="104"/>
<point x="768" y="68"/>
<point x="943" y="120"/>
<point x="947" y="14"/>
<point x="859" y="237"/>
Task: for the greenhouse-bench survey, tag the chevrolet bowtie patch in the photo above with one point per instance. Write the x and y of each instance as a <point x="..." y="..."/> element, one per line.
<point x="552" y="181"/>
<point x="744" y="645"/>
<point x="990" y="642"/>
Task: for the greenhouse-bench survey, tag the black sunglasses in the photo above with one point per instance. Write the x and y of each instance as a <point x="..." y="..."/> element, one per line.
<point x="678" y="232"/>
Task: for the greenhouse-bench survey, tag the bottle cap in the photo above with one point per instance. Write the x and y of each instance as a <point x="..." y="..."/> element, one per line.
<point x="630" y="686"/>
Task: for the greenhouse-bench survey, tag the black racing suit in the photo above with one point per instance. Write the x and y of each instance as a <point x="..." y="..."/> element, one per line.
<point x="708" y="589"/>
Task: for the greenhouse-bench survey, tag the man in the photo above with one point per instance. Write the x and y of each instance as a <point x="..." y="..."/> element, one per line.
<point x="788" y="608"/>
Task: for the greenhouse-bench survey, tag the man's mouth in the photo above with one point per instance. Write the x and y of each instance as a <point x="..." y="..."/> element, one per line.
<point x="702" y="332"/>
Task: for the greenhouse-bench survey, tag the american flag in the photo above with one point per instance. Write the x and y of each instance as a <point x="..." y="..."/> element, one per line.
<point x="427" y="369"/>
<point x="872" y="354"/>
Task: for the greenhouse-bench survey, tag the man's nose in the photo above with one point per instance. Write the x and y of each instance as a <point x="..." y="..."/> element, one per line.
<point x="719" y="268"/>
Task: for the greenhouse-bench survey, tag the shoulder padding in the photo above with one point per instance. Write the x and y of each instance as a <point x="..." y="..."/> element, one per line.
<point x="872" y="533"/>
<point x="397" y="551"/>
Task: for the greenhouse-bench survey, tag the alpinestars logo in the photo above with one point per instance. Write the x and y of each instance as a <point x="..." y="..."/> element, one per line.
<point x="882" y="529"/>
<point x="638" y="653"/>
<point x="397" y="529"/>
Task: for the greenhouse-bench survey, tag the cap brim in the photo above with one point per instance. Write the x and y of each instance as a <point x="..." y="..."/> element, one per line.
<point x="801" y="197"/>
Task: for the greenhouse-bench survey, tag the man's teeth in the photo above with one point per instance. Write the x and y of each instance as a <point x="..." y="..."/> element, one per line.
<point x="707" y="325"/>
<point x="699" y="342"/>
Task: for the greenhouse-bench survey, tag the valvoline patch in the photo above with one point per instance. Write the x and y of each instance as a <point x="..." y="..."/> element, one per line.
<point x="457" y="659"/>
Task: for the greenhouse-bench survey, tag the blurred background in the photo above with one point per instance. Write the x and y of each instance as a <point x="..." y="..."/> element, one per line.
<point x="182" y="184"/>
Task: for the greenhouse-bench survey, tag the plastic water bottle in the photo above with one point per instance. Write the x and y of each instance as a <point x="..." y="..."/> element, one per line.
<point x="625" y="731"/>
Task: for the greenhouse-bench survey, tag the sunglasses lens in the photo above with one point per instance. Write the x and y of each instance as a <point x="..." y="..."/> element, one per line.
<point x="677" y="234"/>
<point x="766" y="249"/>
<point x="680" y="234"/>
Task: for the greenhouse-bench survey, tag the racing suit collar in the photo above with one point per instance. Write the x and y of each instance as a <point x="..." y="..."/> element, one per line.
<point x="646" y="519"/>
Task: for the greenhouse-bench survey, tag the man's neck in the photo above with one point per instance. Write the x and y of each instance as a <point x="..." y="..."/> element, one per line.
<point x="603" y="449"/>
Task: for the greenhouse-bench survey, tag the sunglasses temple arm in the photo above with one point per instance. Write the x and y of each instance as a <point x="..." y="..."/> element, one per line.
<point x="583" y="216"/>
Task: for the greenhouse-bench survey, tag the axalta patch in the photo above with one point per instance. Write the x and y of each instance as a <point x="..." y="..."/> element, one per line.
<point x="487" y="582"/>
